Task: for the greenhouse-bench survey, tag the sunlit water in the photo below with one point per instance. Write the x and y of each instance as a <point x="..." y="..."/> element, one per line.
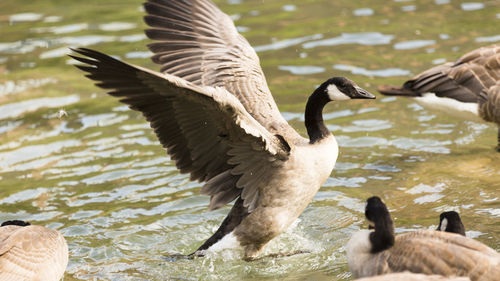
<point x="77" y="160"/>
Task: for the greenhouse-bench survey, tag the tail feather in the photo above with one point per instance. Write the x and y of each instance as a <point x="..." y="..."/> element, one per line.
<point x="390" y="90"/>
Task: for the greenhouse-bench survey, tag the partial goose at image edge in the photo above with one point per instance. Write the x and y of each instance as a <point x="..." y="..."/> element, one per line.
<point x="31" y="252"/>
<point x="468" y="89"/>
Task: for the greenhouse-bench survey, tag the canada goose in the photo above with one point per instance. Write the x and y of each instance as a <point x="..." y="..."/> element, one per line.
<point x="451" y="222"/>
<point x="31" y="252"/>
<point x="408" y="276"/>
<point x="467" y="89"/>
<point x="379" y="252"/>
<point x="213" y="112"/>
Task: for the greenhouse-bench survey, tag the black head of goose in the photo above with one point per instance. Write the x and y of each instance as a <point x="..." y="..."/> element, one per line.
<point x="467" y="89"/>
<point x="31" y="252"/>
<point x="378" y="251"/>
<point x="213" y="112"/>
<point x="450" y="222"/>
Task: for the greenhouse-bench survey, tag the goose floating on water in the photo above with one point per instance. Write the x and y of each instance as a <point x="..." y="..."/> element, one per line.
<point x="467" y="89"/>
<point x="31" y="252"/>
<point x="212" y="110"/>
<point x="378" y="252"/>
<point x="451" y="222"/>
<point x="408" y="276"/>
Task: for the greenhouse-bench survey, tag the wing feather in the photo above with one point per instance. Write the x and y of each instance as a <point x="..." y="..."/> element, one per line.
<point x="463" y="80"/>
<point x="199" y="43"/>
<point x="32" y="253"/>
<point x="206" y="130"/>
<point x="447" y="254"/>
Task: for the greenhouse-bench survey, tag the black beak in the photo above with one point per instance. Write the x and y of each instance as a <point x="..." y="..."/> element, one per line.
<point x="362" y="94"/>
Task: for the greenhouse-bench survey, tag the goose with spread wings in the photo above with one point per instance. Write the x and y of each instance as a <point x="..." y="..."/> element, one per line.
<point x="31" y="252"/>
<point x="467" y="89"/>
<point x="212" y="110"/>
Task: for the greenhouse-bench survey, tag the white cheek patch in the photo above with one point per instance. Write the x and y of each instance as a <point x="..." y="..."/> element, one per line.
<point x="335" y="94"/>
<point x="444" y="224"/>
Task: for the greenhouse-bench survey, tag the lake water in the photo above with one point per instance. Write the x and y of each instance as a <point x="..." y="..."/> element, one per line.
<point x="74" y="159"/>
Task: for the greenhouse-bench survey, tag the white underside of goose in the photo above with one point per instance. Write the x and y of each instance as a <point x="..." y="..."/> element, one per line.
<point x="358" y="252"/>
<point x="463" y="110"/>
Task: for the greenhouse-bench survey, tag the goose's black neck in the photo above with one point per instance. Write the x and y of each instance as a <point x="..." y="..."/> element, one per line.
<point x="383" y="236"/>
<point x="315" y="126"/>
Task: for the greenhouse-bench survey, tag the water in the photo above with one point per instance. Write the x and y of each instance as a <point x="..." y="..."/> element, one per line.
<point x="77" y="160"/>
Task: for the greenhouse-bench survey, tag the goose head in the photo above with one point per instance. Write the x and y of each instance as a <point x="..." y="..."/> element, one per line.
<point x="451" y="222"/>
<point x="333" y="89"/>
<point x="341" y="88"/>
<point x="15" y="222"/>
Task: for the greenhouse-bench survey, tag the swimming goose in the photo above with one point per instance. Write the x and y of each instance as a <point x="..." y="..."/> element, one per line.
<point x="467" y="89"/>
<point x="451" y="222"/>
<point x="379" y="252"/>
<point x="408" y="276"/>
<point x="213" y="112"/>
<point x="31" y="252"/>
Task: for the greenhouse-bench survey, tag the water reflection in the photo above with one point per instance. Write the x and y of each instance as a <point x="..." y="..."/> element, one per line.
<point x="25" y="17"/>
<point x="388" y="72"/>
<point x="302" y="70"/>
<point x="363" y="38"/>
<point x="413" y="44"/>
<point x="408" y="8"/>
<point x="287" y="43"/>
<point x="15" y="109"/>
<point x="363" y="12"/>
<point x="472" y="6"/>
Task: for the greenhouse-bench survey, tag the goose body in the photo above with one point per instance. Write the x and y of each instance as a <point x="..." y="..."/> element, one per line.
<point x="378" y="252"/>
<point x="450" y="222"/>
<point x="408" y="276"/>
<point x="31" y="252"/>
<point x="211" y="109"/>
<point x="467" y="89"/>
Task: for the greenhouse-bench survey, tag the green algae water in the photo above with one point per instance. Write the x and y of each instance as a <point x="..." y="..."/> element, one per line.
<point x="75" y="159"/>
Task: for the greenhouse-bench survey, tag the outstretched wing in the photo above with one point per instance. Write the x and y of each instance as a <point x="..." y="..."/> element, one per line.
<point x="199" y="43"/>
<point x="206" y="130"/>
<point x="463" y="80"/>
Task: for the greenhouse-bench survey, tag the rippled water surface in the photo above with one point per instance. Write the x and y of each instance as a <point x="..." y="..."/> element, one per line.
<point x="77" y="160"/>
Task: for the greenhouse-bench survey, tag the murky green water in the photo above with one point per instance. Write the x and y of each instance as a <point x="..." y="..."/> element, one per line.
<point x="77" y="160"/>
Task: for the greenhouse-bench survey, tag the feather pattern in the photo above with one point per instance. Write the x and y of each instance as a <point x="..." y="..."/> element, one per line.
<point x="206" y="130"/>
<point x="199" y="43"/>
<point x="32" y="253"/>
<point x="463" y="80"/>
<point x="489" y="104"/>
<point x="408" y="276"/>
